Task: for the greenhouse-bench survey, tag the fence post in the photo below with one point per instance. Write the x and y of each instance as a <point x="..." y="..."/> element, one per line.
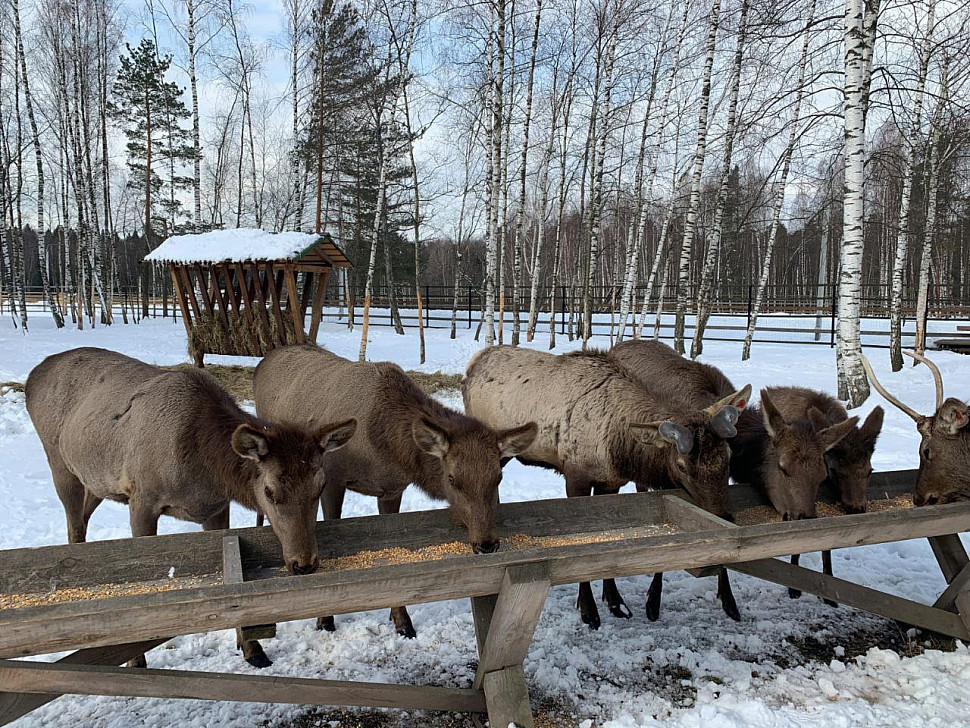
<point x="562" y="292"/>
<point x="835" y="296"/>
<point x="750" y="303"/>
<point x="469" y="306"/>
<point x="427" y="306"/>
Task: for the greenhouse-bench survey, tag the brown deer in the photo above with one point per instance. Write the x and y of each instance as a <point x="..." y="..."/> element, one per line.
<point x="945" y="445"/>
<point x="174" y="443"/>
<point x="405" y="437"/>
<point x="601" y="430"/>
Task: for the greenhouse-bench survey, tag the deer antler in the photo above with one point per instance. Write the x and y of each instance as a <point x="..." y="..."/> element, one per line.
<point x="917" y="417"/>
<point x="937" y="377"/>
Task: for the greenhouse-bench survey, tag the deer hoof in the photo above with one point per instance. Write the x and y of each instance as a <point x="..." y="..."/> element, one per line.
<point x="620" y="610"/>
<point x="591" y="620"/>
<point x="139" y="661"/>
<point x="326" y="624"/>
<point x="731" y="609"/>
<point x="408" y="631"/>
<point x="259" y="659"/>
<point x="794" y="593"/>
<point x="830" y="603"/>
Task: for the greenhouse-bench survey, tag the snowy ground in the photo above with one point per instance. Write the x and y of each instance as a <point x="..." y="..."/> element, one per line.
<point x="788" y="662"/>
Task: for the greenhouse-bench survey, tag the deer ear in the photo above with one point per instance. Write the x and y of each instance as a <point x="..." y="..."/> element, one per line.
<point x="831" y="436"/>
<point x="869" y="432"/>
<point x="430" y="438"/>
<point x="250" y="443"/>
<point x="953" y="416"/>
<point x="818" y="419"/>
<point x="332" y="437"/>
<point x="661" y="434"/>
<point x="774" y="422"/>
<point x="723" y="422"/>
<point x="512" y="442"/>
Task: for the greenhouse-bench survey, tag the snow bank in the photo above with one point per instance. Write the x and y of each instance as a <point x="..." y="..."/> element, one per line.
<point x="233" y="246"/>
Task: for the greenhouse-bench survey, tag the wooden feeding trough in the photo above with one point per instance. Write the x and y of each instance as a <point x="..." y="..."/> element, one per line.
<point x="127" y="596"/>
<point x="245" y="292"/>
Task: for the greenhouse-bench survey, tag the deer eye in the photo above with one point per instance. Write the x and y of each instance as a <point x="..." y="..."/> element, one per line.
<point x="451" y="480"/>
<point x="268" y="492"/>
<point x="926" y="453"/>
<point x="784" y="469"/>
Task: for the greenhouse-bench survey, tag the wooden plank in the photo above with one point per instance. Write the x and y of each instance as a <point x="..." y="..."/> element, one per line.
<point x="276" y="303"/>
<point x="290" y="277"/>
<point x="947" y="599"/>
<point x="482" y="609"/>
<point x="37" y="677"/>
<point x="950" y="554"/>
<point x="223" y="271"/>
<point x="962" y="602"/>
<point x="855" y="595"/>
<point x="316" y="311"/>
<point x="57" y="627"/>
<point x="507" y="698"/>
<point x="13" y="705"/>
<point x="514" y="618"/>
<point x="232" y="573"/>
<point x="182" y="300"/>
<point x="247" y="301"/>
<point x="190" y="290"/>
<point x="260" y="292"/>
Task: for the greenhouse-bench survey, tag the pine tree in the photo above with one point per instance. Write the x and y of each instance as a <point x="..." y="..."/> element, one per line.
<point x="150" y="110"/>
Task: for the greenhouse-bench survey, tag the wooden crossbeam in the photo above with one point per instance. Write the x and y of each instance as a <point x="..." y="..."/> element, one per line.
<point x="13" y="705"/>
<point x="38" y="677"/>
<point x="950" y="554"/>
<point x="959" y="583"/>
<point x="289" y="276"/>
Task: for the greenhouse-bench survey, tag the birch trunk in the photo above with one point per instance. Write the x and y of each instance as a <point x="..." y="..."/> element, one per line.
<point x="704" y="298"/>
<point x="690" y="217"/>
<point x="495" y="174"/>
<point x="823" y="269"/>
<point x="929" y="231"/>
<point x="902" y="235"/>
<point x="853" y="384"/>
<point x="196" y="136"/>
<point x="780" y="193"/>
<point x="523" y="163"/>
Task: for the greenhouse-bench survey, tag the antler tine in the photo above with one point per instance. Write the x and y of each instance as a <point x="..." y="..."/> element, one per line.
<point x="937" y="377"/>
<point x="917" y="417"/>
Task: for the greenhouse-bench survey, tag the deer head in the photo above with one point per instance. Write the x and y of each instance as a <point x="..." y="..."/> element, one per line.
<point x="945" y="445"/>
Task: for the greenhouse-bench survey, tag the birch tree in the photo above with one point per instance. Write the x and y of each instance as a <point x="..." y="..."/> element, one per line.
<point x="690" y="216"/>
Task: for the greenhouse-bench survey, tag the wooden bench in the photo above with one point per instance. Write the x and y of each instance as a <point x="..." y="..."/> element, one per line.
<point x="227" y="579"/>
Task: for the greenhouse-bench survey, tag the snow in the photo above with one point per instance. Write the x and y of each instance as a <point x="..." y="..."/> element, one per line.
<point x="234" y="246"/>
<point x="692" y="668"/>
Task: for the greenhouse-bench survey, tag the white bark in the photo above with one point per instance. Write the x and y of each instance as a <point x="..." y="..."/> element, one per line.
<point x="911" y="139"/>
<point x="690" y="217"/>
<point x="495" y="173"/>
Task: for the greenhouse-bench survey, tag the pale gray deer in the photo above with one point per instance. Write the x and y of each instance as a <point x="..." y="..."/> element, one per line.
<point x="601" y="430"/>
<point x="174" y="443"/>
<point x="405" y="437"/>
<point x="944" y="448"/>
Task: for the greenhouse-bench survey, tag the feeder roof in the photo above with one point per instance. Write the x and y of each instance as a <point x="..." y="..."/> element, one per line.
<point x="249" y="245"/>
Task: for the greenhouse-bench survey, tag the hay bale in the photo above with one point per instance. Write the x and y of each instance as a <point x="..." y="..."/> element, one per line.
<point x="209" y="335"/>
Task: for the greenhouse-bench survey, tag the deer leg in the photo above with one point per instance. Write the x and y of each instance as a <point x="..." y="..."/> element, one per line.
<point x="724" y="593"/>
<point x="399" y="615"/>
<point x="332" y="502"/>
<point x="91" y="503"/>
<point x="144" y="522"/>
<point x="654" y="593"/>
<point x="577" y="486"/>
<point x="251" y="649"/>
<point x="794" y="593"/>
<point x="827" y="569"/>
<point x="611" y="595"/>
<point x="72" y="495"/>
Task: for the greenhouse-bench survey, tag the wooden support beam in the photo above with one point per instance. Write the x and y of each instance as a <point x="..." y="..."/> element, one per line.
<point x="947" y="599"/>
<point x="950" y="554"/>
<point x="224" y="272"/>
<point x="294" y="305"/>
<point x="260" y="293"/>
<point x="182" y="300"/>
<point x="277" y="303"/>
<point x="232" y="573"/>
<point x="507" y="698"/>
<point x="854" y="595"/>
<point x="13" y="705"/>
<point x="319" y="294"/>
<point x="38" y="677"/>
<point x="189" y="290"/>
<point x="247" y="300"/>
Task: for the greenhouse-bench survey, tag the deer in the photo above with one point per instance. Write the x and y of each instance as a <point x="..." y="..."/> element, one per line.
<point x="780" y="451"/>
<point x="405" y="437"/>
<point x="174" y="443"/>
<point x="944" y="441"/>
<point x="601" y="429"/>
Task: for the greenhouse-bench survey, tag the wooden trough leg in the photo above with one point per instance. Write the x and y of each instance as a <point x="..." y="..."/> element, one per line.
<point x="504" y="625"/>
<point x="950" y="554"/>
<point x="16" y="705"/>
<point x="246" y="637"/>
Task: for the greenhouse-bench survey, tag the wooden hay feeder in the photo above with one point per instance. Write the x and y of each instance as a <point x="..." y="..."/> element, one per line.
<point x="245" y="292"/>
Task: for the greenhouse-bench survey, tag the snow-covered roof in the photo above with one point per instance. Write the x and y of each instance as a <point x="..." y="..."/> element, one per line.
<point x="243" y="245"/>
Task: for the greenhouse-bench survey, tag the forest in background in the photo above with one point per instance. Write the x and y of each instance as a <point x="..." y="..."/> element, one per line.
<point x="512" y="146"/>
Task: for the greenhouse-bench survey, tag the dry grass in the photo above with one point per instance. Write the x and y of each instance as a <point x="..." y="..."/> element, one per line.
<point x="11" y="387"/>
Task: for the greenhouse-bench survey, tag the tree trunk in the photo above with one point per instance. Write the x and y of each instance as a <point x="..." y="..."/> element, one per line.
<point x="495" y="173"/>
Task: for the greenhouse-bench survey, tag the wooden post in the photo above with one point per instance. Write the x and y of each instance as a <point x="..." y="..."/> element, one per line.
<point x="232" y="573"/>
<point x="277" y="303"/>
<point x="504" y="625"/>
<point x="260" y="292"/>
<point x="950" y="554"/>
<point x="248" y="309"/>
<point x="316" y="310"/>
<point x="289" y="276"/>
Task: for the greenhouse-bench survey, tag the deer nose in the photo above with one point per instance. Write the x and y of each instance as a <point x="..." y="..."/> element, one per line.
<point x="486" y="547"/>
<point x="299" y="569"/>
<point x="852" y="509"/>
